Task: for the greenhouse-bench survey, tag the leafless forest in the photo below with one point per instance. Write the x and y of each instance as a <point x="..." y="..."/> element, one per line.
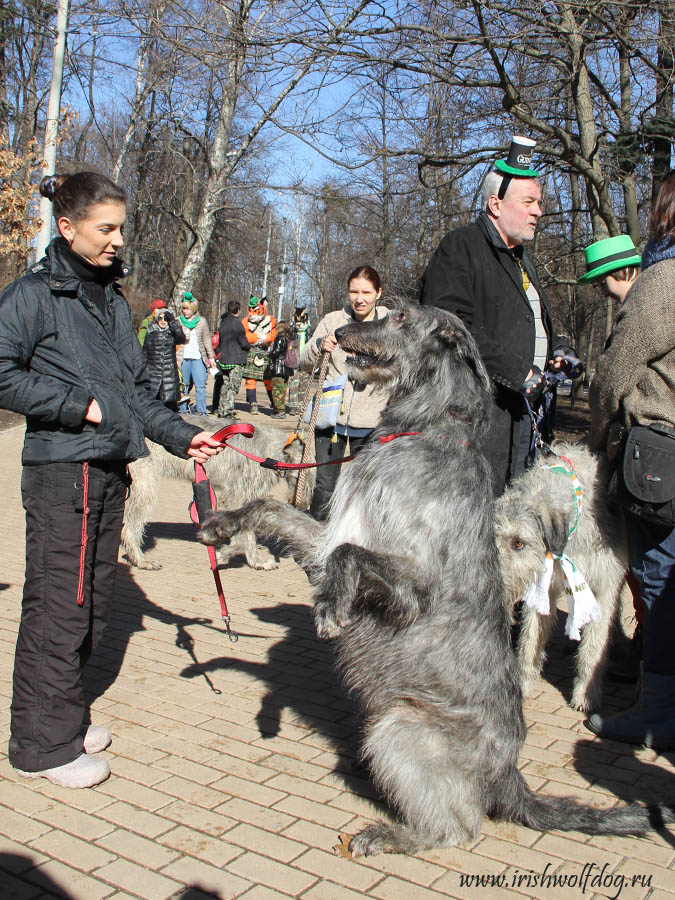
<point x="210" y="113"/>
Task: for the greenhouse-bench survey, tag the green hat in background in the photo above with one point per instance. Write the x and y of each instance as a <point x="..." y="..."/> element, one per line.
<point x="519" y="160"/>
<point x="253" y="301"/>
<point x="608" y="255"/>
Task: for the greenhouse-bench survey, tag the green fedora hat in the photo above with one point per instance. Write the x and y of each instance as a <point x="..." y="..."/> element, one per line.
<point x="607" y="256"/>
<point x="519" y="160"/>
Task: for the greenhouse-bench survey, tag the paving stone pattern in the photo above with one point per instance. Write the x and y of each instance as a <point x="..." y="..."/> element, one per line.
<point x="233" y="763"/>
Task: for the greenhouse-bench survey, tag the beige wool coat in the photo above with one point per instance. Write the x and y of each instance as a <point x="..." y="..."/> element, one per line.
<point x="361" y="408"/>
<point x="634" y="383"/>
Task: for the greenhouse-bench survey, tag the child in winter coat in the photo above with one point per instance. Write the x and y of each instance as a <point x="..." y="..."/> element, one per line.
<point x="278" y="372"/>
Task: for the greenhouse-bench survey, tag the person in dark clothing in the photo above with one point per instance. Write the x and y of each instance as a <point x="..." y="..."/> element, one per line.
<point x="482" y="273"/>
<point x="71" y="363"/>
<point x="161" y="339"/>
<point x="278" y="372"/>
<point x="233" y="349"/>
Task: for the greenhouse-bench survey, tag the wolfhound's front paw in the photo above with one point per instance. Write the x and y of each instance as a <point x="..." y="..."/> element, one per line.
<point x="220" y="527"/>
<point x="326" y="621"/>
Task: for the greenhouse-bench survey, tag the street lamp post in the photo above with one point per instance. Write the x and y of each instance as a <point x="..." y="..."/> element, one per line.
<point x="52" y="126"/>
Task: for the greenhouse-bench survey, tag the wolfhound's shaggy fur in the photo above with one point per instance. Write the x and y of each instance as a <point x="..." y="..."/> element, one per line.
<point x="534" y="517"/>
<point x="408" y="580"/>
<point x="234" y="478"/>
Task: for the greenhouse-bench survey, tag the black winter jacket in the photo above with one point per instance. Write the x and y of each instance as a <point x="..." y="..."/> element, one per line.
<point x="276" y="367"/>
<point x="474" y="275"/>
<point x="159" y="349"/>
<point x="232" y="343"/>
<point x="58" y="352"/>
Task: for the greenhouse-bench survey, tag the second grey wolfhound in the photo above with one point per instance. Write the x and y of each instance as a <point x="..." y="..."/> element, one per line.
<point x="534" y="518"/>
<point x="234" y="478"/>
<point x="408" y="581"/>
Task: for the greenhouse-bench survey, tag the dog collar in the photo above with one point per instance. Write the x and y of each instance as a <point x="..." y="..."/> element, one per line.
<point x="576" y="487"/>
<point x="392" y="437"/>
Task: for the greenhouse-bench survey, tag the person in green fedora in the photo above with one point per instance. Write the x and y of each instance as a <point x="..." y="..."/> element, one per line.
<point x="613" y="264"/>
<point x="632" y="400"/>
<point x="483" y="274"/>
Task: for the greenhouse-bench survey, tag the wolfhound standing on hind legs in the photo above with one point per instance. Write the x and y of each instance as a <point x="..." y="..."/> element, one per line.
<point x="234" y="478"/>
<point x="408" y="581"/>
<point x="542" y="514"/>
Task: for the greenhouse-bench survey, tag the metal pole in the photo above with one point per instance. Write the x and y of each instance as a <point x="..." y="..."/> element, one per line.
<point x="282" y="281"/>
<point x="52" y="126"/>
<point x="267" y="256"/>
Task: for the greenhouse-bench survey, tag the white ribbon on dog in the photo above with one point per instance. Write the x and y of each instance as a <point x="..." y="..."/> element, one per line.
<point x="537" y="594"/>
<point x="582" y="607"/>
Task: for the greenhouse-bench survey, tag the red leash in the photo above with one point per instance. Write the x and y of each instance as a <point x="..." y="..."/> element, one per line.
<point x="278" y="465"/>
<point x="201" y="507"/>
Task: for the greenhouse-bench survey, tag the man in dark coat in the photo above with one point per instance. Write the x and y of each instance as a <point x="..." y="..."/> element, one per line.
<point x="233" y="348"/>
<point x="482" y="274"/>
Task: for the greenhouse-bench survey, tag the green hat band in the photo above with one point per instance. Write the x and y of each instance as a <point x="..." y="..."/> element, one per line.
<point x="606" y="256"/>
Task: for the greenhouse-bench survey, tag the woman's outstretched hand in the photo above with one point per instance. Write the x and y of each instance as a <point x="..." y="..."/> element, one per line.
<point x="203" y="446"/>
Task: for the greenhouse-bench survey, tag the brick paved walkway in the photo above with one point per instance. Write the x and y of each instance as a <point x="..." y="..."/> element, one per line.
<point x="232" y="763"/>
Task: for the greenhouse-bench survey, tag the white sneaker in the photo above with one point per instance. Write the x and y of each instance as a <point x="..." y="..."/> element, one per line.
<point x="83" y="772"/>
<point x="97" y="738"/>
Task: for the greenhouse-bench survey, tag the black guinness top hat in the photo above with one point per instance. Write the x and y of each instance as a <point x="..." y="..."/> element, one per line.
<point x="519" y="160"/>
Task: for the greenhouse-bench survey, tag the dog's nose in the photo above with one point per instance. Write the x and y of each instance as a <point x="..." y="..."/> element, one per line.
<point x="340" y="332"/>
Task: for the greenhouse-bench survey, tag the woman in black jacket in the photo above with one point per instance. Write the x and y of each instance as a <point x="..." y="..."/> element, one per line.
<point x="162" y="337"/>
<point x="71" y="363"/>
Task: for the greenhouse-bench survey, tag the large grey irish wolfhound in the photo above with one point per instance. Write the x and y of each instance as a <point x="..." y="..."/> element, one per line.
<point x="534" y="517"/>
<point x="407" y="579"/>
<point x="235" y="479"/>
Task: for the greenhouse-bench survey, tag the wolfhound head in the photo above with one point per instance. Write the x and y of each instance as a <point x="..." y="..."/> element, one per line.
<point x="424" y="356"/>
<point x="527" y="527"/>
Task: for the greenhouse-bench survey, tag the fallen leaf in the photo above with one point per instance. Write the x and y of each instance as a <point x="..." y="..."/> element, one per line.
<point x="342" y="849"/>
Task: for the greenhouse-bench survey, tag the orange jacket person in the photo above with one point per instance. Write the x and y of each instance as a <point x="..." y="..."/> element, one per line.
<point x="261" y="330"/>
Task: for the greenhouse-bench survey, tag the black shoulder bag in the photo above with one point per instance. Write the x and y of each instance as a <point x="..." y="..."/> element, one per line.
<point x="644" y="479"/>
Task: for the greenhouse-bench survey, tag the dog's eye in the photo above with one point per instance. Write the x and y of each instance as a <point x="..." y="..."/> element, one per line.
<point x="517" y="544"/>
<point x="401" y="316"/>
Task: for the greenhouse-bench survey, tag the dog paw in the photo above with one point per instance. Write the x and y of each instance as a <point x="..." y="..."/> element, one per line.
<point x="372" y="840"/>
<point x="327" y="625"/>
<point x="147" y="565"/>
<point x="583" y="703"/>
<point x="266" y="567"/>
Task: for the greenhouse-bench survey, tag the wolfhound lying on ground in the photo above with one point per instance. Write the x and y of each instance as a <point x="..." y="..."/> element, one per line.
<point x="234" y="478"/>
<point x="534" y="518"/>
<point x="407" y="579"/>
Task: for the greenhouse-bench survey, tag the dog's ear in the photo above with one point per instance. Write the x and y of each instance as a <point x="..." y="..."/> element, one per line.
<point x="457" y="337"/>
<point x="554" y="530"/>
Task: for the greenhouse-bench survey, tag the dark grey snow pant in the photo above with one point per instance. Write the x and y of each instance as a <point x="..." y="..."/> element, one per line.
<point x="73" y="522"/>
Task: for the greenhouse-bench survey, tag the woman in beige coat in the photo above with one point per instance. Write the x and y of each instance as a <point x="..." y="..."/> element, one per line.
<point x="361" y="404"/>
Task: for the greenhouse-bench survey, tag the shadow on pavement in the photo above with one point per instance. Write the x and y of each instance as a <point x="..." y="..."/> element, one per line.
<point x="300" y="675"/>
